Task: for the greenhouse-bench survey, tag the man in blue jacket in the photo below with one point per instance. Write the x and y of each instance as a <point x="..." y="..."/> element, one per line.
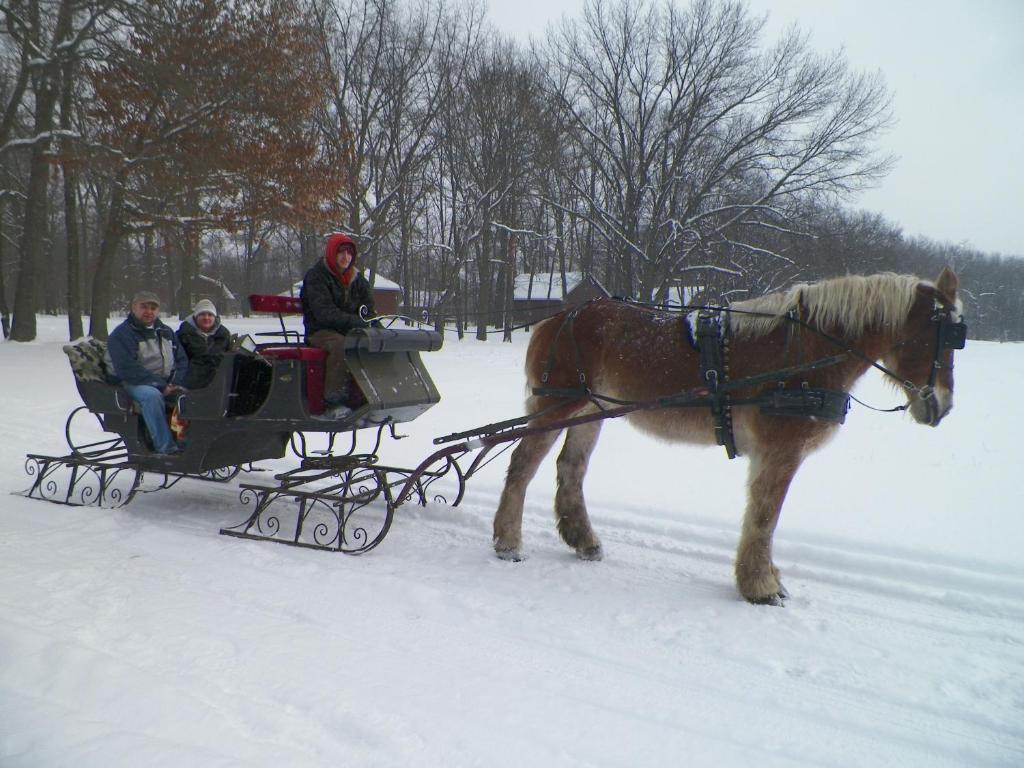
<point x="150" y="364"/>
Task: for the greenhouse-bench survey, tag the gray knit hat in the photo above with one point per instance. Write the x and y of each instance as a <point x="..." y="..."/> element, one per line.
<point x="204" y="305"/>
<point x="145" y="297"/>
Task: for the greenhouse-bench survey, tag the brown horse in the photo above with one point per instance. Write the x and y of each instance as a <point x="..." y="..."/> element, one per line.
<point x="635" y="354"/>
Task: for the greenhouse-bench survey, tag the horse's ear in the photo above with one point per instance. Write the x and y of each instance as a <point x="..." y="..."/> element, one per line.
<point x="948" y="283"/>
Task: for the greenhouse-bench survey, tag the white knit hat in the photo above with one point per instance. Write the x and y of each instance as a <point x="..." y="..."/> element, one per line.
<point x="204" y="305"/>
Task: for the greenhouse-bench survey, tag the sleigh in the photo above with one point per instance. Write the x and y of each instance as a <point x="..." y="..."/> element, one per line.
<point x="266" y="399"/>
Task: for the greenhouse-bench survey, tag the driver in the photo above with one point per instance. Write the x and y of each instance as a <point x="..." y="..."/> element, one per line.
<point x="336" y="298"/>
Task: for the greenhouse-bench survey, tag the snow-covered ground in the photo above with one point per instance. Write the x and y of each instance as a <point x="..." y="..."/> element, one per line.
<point x="139" y="637"/>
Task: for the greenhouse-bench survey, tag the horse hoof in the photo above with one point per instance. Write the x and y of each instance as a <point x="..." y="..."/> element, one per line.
<point x="590" y="553"/>
<point x="509" y="555"/>
<point x="775" y="599"/>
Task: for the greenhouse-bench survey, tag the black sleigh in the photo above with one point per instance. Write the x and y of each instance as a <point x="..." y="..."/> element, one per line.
<point x="264" y="400"/>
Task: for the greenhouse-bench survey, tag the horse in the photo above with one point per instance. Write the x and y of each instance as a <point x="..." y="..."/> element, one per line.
<point x="622" y="352"/>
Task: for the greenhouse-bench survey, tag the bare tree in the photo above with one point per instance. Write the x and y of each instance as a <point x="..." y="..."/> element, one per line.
<point x="389" y="62"/>
<point x="699" y="135"/>
<point x="49" y="38"/>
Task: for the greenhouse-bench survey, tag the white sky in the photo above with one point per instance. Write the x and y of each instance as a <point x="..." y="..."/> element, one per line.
<point x="956" y="69"/>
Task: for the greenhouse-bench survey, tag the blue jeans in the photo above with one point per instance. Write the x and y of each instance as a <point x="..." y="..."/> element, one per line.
<point x="151" y="401"/>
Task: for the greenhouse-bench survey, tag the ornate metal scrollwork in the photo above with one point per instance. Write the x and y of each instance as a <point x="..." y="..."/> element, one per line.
<point x="329" y="510"/>
<point x="333" y="502"/>
<point x="74" y="482"/>
<point x="221" y="474"/>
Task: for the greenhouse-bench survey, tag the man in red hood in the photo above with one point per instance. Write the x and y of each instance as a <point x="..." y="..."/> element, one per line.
<point x="335" y="299"/>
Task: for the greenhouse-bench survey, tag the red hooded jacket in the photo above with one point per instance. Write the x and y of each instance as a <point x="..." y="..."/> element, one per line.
<point x="332" y="302"/>
<point x="331" y="247"/>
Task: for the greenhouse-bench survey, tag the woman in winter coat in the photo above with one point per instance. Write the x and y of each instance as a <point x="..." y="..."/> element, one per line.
<point x="204" y="340"/>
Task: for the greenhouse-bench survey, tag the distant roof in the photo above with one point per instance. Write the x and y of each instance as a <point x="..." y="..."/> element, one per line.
<point x="680" y="295"/>
<point x="380" y="283"/>
<point x="546" y="285"/>
<point x="224" y="289"/>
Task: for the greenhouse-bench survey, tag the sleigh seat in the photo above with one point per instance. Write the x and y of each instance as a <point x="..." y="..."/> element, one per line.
<point x="389" y="381"/>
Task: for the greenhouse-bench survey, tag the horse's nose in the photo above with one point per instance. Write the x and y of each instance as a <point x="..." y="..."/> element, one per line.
<point x="939" y="403"/>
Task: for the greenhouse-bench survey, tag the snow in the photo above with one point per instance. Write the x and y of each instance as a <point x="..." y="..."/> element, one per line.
<point x="140" y="637"/>
<point x="545" y="285"/>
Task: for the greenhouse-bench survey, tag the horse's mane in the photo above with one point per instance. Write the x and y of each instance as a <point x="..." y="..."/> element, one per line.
<point x="848" y="305"/>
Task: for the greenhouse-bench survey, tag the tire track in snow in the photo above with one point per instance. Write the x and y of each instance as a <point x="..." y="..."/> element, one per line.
<point x="995" y="591"/>
<point x="818" y="696"/>
<point x="956" y="610"/>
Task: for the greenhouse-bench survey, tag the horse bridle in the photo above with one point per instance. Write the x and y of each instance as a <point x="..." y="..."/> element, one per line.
<point x="949" y="334"/>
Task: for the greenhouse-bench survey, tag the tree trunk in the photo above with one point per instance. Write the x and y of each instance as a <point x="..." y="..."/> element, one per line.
<point x="404" y="257"/>
<point x="147" y="258"/>
<point x="24" y="328"/>
<point x="189" y="270"/>
<point x="5" y="317"/>
<point x="248" y="265"/>
<point x="510" y="279"/>
<point x="74" y="294"/>
<point x="113" y="231"/>
<point x="309" y="248"/>
<point x="168" y="252"/>
<point x="483" y="297"/>
<point x="74" y="291"/>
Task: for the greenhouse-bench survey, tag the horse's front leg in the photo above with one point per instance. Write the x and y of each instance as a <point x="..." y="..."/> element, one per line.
<point x="570" y="508"/>
<point x="769" y="477"/>
<point x="508" y="520"/>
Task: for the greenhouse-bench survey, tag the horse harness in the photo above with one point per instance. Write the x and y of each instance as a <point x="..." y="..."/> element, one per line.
<point x="712" y="341"/>
<point x="806" y="402"/>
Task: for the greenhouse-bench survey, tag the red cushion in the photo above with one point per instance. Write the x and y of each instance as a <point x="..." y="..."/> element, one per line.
<point x="281" y="305"/>
<point x="313" y="360"/>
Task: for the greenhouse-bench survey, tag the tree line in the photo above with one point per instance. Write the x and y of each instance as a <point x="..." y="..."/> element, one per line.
<point x="204" y="148"/>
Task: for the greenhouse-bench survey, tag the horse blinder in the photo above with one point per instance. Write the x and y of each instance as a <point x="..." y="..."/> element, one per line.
<point x="952" y="335"/>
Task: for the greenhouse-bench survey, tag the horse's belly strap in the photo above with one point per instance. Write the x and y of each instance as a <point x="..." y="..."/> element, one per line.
<point x="825" y="404"/>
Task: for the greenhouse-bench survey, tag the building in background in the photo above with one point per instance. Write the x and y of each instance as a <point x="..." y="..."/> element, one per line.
<point x="539" y="295"/>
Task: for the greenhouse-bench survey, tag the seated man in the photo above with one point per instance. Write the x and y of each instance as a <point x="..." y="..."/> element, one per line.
<point x="204" y="340"/>
<point x="335" y="299"/>
<point x="150" y="364"/>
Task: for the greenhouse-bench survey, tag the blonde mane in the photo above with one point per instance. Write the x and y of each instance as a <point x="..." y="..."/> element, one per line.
<point x="844" y="305"/>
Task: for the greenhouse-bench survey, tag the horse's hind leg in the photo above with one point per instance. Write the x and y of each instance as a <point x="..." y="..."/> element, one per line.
<point x="570" y="507"/>
<point x="508" y="520"/>
<point x="757" y="578"/>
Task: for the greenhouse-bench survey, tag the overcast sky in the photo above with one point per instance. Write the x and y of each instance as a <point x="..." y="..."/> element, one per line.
<point x="956" y="69"/>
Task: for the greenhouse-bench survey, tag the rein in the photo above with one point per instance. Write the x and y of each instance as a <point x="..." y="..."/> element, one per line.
<point x="687" y="398"/>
